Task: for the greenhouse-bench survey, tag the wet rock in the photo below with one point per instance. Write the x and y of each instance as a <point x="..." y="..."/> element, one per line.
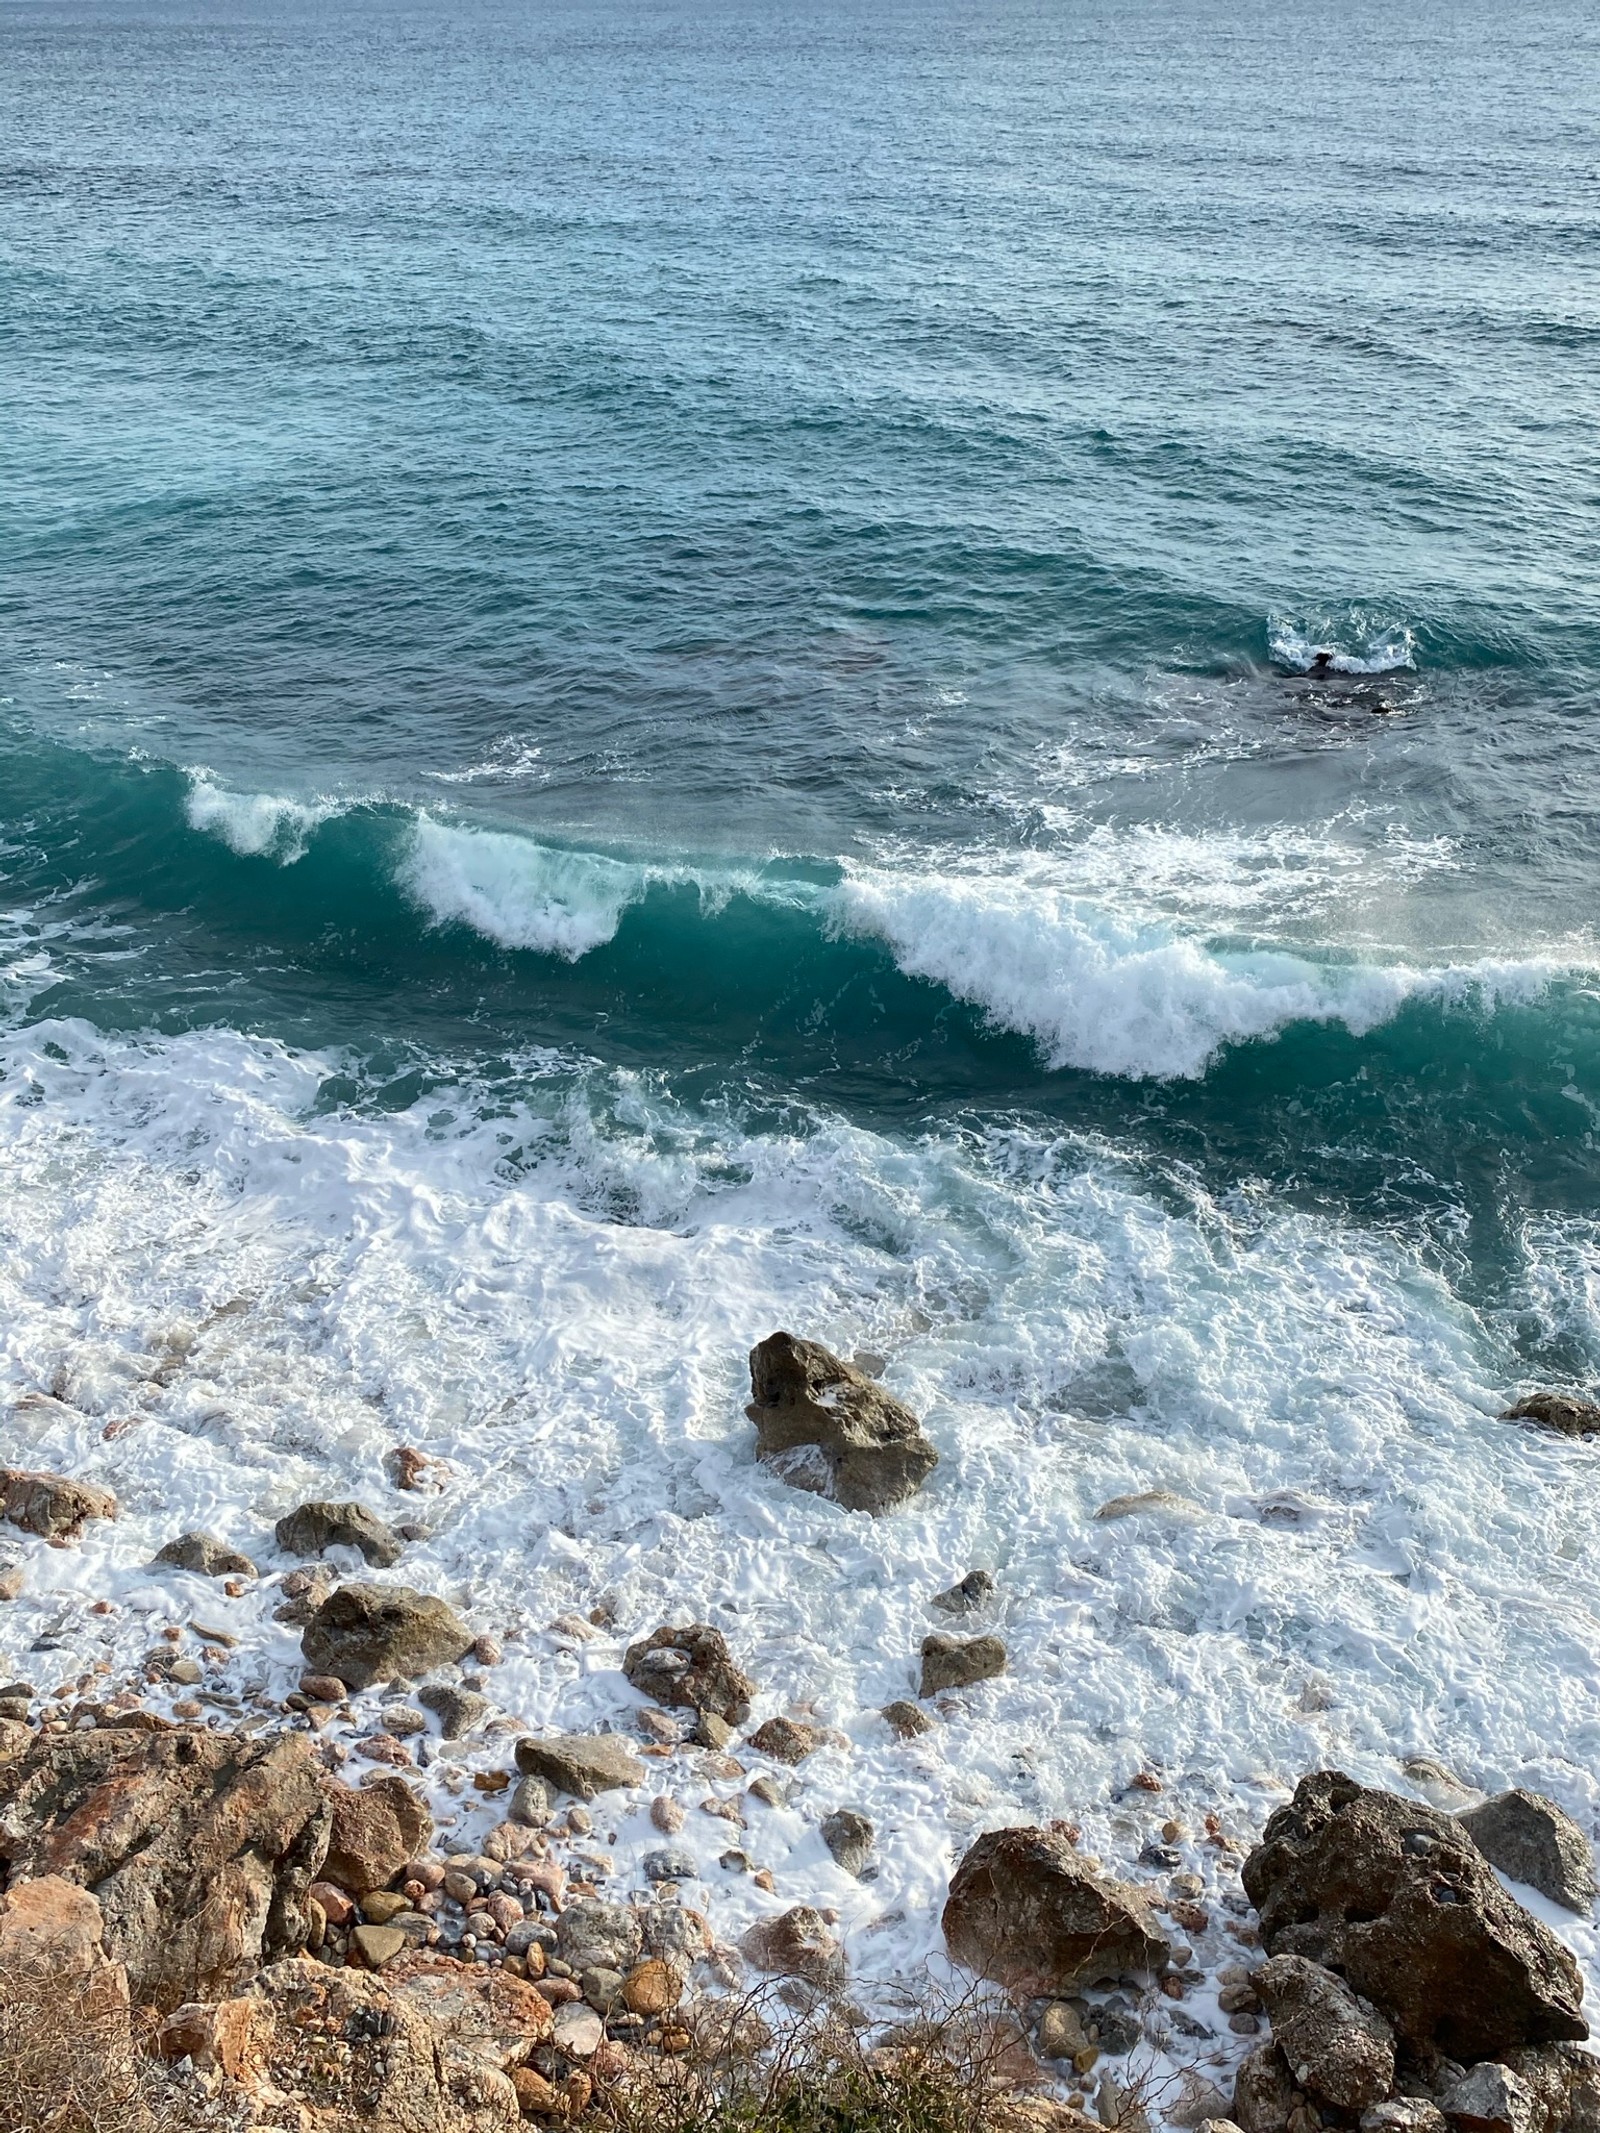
<point x="599" y="1936"/>
<point x="206" y="1556"/>
<point x="798" y="1944"/>
<point x="13" y="1576"/>
<point x="1025" y="1910"/>
<point x="965" y="1598"/>
<point x="710" y="1731"/>
<point x="51" y="1505"/>
<point x="322" y="1688"/>
<point x="827" y="1427"/>
<point x="374" y="1830"/>
<point x="1336" y="2046"/>
<point x="692" y="1669"/>
<point x="670" y="1863"/>
<point x="786" y="1741"/>
<point x="199" y="1848"/>
<point x="368" y="1633"/>
<point x="1563" y="1412"/>
<point x="530" y="1803"/>
<point x="850" y="1837"/>
<point x="1399" y="1900"/>
<point x="314" y="1528"/>
<point x="906" y="1720"/>
<point x="582" y="1764"/>
<point x="602" y="1989"/>
<point x="1489" y="2098"/>
<point x="957" y="1662"/>
<point x="458" y="1710"/>
<point x="1263" y="2092"/>
<point x="1529" y="1838"/>
<point x="1198" y="2102"/>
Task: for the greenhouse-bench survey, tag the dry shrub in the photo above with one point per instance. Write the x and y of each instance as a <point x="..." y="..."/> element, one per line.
<point x="66" y="2066"/>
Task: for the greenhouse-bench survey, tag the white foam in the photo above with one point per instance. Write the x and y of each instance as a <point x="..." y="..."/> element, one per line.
<point x="254" y="825"/>
<point x="1378" y="649"/>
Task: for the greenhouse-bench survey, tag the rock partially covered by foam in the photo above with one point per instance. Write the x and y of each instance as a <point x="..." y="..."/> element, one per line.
<point x="692" y="1668"/>
<point x="1562" y="1412"/>
<point x="313" y="1528"/>
<point x="825" y="1426"/>
<point x="1400" y="1901"/>
<point x="51" y="1504"/>
<point x="1026" y="1911"/>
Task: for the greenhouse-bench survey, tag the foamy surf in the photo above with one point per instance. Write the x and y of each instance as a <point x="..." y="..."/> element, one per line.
<point x="1354" y="644"/>
<point x="254" y="825"/>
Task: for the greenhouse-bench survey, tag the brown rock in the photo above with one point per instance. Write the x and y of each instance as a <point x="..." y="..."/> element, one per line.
<point x="1336" y="2046"/>
<point x="50" y="1505"/>
<point x="373" y="1946"/>
<point x="52" y="1956"/>
<point x="692" y="1669"/>
<point x="797" y="1944"/>
<point x="374" y="1830"/>
<point x="957" y="1662"/>
<point x="1025" y="1910"/>
<point x="368" y="1633"/>
<point x="827" y="1427"/>
<point x="314" y="1528"/>
<point x="906" y="1720"/>
<point x="537" y="2097"/>
<point x="200" y="1848"/>
<point x="1531" y="1839"/>
<point x="583" y="1764"/>
<point x="1399" y="1900"/>
<point x="206" y="1556"/>
<point x="1563" y="1412"/>
<point x="786" y="1741"/>
<point x="650" y="1988"/>
<point x="975" y="1590"/>
<point x="1263" y="2092"/>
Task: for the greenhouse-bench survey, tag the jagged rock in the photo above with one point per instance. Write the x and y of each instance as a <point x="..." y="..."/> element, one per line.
<point x="1336" y="2047"/>
<point x="827" y="1427"/>
<point x="1027" y="1912"/>
<point x="673" y="1933"/>
<point x="1198" y="2102"/>
<point x="670" y="1862"/>
<point x="368" y="1633"/>
<point x="786" y="1740"/>
<point x="957" y="1662"/>
<point x="599" y="1936"/>
<point x="304" y="1592"/>
<point x="1532" y="1840"/>
<point x="965" y="1598"/>
<point x="582" y="1764"/>
<point x="530" y="1803"/>
<point x="200" y="1848"/>
<point x="693" y="1669"/>
<point x="1563" y="2084"/>
<point x="1562" y="1412"/>
<point x="51" y="1505"/>
<point x="314" y="1528"/>
<point x="1263" y="2091"/>
<point x="16" y="1737"/>
<point x="52" y="1956"/>
<point x="208" y="1557"/>
<point x="906" y="1720"/>
<point x="375" y="1829"/>
<point x="797" y="1944"/>
<point x="1061" y="2031"/>
<point x="457" y="1710"/>
<point x="850" y="1837"/>
<point x="1398" y="1898"/>
<point x="1403" y="2114"/>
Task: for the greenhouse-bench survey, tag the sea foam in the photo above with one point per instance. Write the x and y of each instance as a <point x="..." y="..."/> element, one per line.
<point x="252" y="824"/>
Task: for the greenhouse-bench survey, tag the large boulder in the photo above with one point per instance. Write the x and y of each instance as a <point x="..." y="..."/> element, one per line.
<point x="1338" y="2048"/>
<point x="199" y="1847"/>
<point x="1530" y="1838"/>
<point x="1027" y="1912"/>
<point x="314" y="1528"/>
<point x="1562" y="1412"/>
<point x="65" y="2027"/>
<point x="582" y="1764"/>
<point x="51" y="1505"/>
<point x="366" y="1633"/>
<point x="1400" y="1901"/>
<point x="693" y="1669"/>
<point x="375" y="1829"/>
<point x="825" y="1426"/>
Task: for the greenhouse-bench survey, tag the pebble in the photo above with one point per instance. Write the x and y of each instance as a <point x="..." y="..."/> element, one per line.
<point x="403" y="1720"/>
<point x="580" y="1821"/>
<point x="322" y="1688"/>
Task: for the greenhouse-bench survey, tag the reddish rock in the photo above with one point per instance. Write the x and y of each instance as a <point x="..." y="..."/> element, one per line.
<point x="374" y="1831"/>
<point x="799" y="1944"/>
<point x="51" y="1505"/>
<point x="692" y="1669"/>
<point x="786" y="1741"/>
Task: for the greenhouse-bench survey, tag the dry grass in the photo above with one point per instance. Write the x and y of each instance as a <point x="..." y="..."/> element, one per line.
<point x="67" y="2066"/>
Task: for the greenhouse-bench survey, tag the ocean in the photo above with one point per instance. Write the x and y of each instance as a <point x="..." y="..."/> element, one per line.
<point x="657" y="681"/>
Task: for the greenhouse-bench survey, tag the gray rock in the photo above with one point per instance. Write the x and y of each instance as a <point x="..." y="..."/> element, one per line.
<point x="313" y="1528"/>
<point x="367" y="1633"/>
<point x="974" y="1590"/>
<point x="849" y="1836"/>
<point x="582" y="1764"/>
<point x="532" y="1933"/>
<point x="1119" y="2030"/>
<point x="957" y="1662"/>
<point x="827" y="1427"/>
<point x="1563" y="1412"/>
<point x="1403" y="2114"/>
<point x="578" y="2031"/>
<point x="670" y="1863"/>
<point x="1532" y="1840"/>
<point x="208" y="1557"/>
<point x="673" y="1933"/>
<point x="1263" y="2091"/>
<point x="1061" y="2031"/>
<point x="530" y="1803"/>
<point x="458" y="1710"/>
<point x="1334" y="2044"/>
<point x="1489" y="2098"/>
<point x="599" y="1936"/>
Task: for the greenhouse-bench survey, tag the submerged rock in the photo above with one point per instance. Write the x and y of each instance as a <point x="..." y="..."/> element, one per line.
<point x="1563" y="1412"/>
<point x="904" y="1719"/>
<point x="368" y="1633"/>
<point x="957" y="1662"/>
<point x="51" y="1505"/>
<point x="1026" y="1911"/>
<point x="1530" y="1838"/>
<point x="827" y="1427"/>
<point x="207" y="1556"/>
<point x="1400" y="1901"/>
<point x="850" y="1836"/>
<point x="693" y="1669"/>
<point x="313" y="1528"/>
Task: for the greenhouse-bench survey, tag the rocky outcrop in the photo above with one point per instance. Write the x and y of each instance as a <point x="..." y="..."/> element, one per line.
<point x="50" y="1505"/>
<point x="199" y="1848"/>
<point x="958" y="1662"/>
<point x="799" y="1943"/>
<point x="374" y="1829"/>
<point x="208" y="1557"/>
<point x="1562" y="1412"/>
<point x="1530" y="1838"/>
<point x="1399" y="1900"/>
<point x="827" y="1427"/>
<point x="583" y="1764"/>
<point x="314" y="1528"/>
<point x="367" y="1633"/>
<point x="1337" y="2046"/>
<point x="1026" y="1911"/>
<point x="692" y="1669"/>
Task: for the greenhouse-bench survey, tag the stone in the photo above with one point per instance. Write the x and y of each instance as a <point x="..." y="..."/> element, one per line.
<point x="402" y="1721"/>
<point x="314" y="1528"/>
<point x="975" y="1590"/>
<point x="666" y="1815"/>
<point x="304" y="1592"/>
<point x="1489" y="2098"/>
<point x="1565" y="1413"/>
<point x="50" y="1505"/>
<point x="368" y="1633"/>
<point x="578" y="2030"/>
<point x="530" y="1803"/>
<point x="905" y="1720"/>
<point x="537" y="2097"/>
<point x="322" y="1688"/>
<point x="1217" y="2125"/>
<point x="591" y="1935"/>
<point x="13" y="1577"/>
<point x="206" y="1556"/>
<point x="786" y="1741"/>
<point x="1263" y="2092"/>
<point x="827" y="1427"/>
<point x="1530" y="1839"/>
<point x="582" y="1764"/>
<point x="849" y="1836"/>
<point x="200" y="1848"/>
<point x="1026" y="1911"/>
<point x="651" y="1988"/>
<point x="458" y="1710"/>
<point x="670" y="1863"/>
<point x="1335" y="2046"/>
<point x="958" y="1662"/>
<point x="1150" y="1500"/>
<point x="380" y="1907"/>
<point x="52" y="1955"/>
<point x="602" y="1989"/>
<point x="337" y="1908"/>
<point x="1403" y="2114"/>
<point x="1400" y="1901"/>
<point x="799" y="1943"/>
<point x="374" y="1830"/>
<point x="1198" y="2101"/>
<point x="692" y="1669"/>
<point x="674" y="1933"/>
<point x="1061" y="2031"/>
<point x="376" y="1945"/>
<point x="408" y="1468"/>
<point x="1563" y="2084"/>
